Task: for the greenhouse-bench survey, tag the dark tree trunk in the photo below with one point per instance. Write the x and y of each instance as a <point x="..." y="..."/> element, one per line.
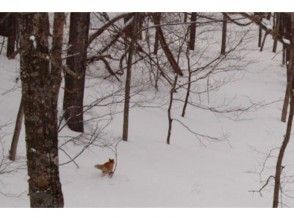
<point x="259" y="36"/>
<point x="192" y="31"/>
<point x="17" y="130"/>
<point x="128" y="77"/>
<point x="286" y="98"/>
<point x="275" y="30"/>
<point x="165" y="47"/>
<point x="169" y="110"/>
<point x="284" y="55"/>
<point x="12" y="35"/>
<point x="157" y="17"/>
<point x="287" y="136"/>
<point x="76" y="61"/>
<point x="38" y="93"/>
<point x="189" y="85"/>
<point x="56" y="52"/>
<point x="224" y="35"/>
<point x="279" y="167"/>
<point x="185" y="16"/>
<point x="8" y="28"/>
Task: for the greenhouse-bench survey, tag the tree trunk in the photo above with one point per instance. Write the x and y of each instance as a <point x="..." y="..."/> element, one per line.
<point x="17" y="130"/>
<point x="56" y="52"/>
<point x="76" y="61"/>
<point x="157" y="17"/>
<point x="259" y="36"/>
<point x="275" y="30"/>
<point x="12" y="35"/>
<point x="224" y="35"/>
<point x="286" y="98"/>
<point x="128" y="77"/>
<point x="38" y="93"/>
<point x="279" y="166"/>
<point x="169" y="110"/>
<point x="165" y="46"/>
<point x="282" y="151"/>
<point x="189" y="84"/>
<point x="284" y="55"/>
<point x="192" y="31"/>
<point x="185" y="17"/>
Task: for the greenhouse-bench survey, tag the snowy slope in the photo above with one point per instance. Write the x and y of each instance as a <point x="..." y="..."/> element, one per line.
<point x="184" y="174"/>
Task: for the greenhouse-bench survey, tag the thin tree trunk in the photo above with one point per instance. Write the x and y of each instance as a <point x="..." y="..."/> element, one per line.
<point x="128" y="78"/>
<point x="76" y="61"/>
<point x="284" y="55"/>
<point x="165" y="47"/>
<point x="275" y="29"/>
<point x="157" y="17"/>
<point x="12" y="35"/>
<point x="259" y="36"/>
<point x="279" y="166"/>
<point x="185" y="16"/>
<point x="189" y="85"/>
<point x="17" y="130"/>
<point x="224" y="35"/>
<point x="286" y="98"/>
<point x="193" y="31"/>
<point x="169" y="110"/>
<point x="282" y="151"/>
<point x="38" y="91"/>
<point x="56" y="51"/>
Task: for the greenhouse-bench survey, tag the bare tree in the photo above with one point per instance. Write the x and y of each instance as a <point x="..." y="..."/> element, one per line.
<point x="169" y="110"/>
<point x="38" y="92"/>
<point x="164" y="45"/>
<point x="192" y="31"/>
<point x="76" y="61"/>
<point x="224" y="34"/>
<point x="131" y="51"/>
<point x="279" y="166"/>
<point x="189" y="84"/>
<point x="17" y="130"/>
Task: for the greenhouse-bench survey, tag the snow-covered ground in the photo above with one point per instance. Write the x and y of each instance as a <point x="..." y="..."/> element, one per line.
<point x="185" y="173"/>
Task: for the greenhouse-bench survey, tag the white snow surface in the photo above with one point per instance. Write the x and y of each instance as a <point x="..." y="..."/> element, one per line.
<point x="185" y="173"/>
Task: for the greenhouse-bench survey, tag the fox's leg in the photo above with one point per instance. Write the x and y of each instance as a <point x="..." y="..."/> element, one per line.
<point x="104" y="173"/>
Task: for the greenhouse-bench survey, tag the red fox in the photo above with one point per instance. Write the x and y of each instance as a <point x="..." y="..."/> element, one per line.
<point x="106" y="168"/>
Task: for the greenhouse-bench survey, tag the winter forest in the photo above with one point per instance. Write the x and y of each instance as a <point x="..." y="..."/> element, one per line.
<point x="153" y="109"/>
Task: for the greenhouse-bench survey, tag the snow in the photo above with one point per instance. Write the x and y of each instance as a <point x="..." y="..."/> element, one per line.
<point x="151" y="173"/>
<point x="33" y="38"/>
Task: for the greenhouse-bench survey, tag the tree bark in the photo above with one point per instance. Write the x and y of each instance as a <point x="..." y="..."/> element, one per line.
<point x="275" y="30"/>
<point x="279" y="166"/>
<point x="157" y="17"/>
<point x="76" y="61"/>
<point x="165" y="46"/>
<point x="169" y="110"/>
<point x="17" y="130"/>
<point x="12" y="35"/>
<point x="132" y="35"/>
<point x="56" y="52"/>
<point x="192" y="31"/>
<point x="38" y="93"/>
<point x="259" y="36"/>
<point x="189" y="84"/>
<point x="282" y="151"/>
<point x="224" y="35"/>
<point x="185" y="16"/>
<point x="284" y="55"/>
<point x="286" y="98"/>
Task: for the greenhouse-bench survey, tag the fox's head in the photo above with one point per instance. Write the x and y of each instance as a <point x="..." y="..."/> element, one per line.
<point x="111" y="160"/>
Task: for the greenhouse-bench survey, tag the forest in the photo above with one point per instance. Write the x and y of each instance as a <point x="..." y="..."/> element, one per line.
<point x="146" y="109"/>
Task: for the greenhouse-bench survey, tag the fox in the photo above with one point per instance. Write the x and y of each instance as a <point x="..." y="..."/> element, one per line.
<point x="106" y="168"/>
